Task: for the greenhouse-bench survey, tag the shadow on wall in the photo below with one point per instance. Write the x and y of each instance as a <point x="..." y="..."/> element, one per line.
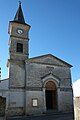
<point x="2" y="108"/>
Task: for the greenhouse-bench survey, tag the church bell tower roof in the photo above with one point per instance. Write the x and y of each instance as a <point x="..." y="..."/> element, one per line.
<point x="19" y="17"/>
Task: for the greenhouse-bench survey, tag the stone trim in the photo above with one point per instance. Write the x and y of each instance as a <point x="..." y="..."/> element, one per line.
<point x="2" y="90"/>
<point x="66" y="89"/>
<point x="16" y="87"/>
<point x="23" y="38"/>
<point x="34" y="88"/>
<point x="17" y="61"/>
<point x="50" y="55"/>
<point x="17" y="90"/>
<point x="51" y="77"/>
<point x="26" y="88"/>
<point x="43" y="63"/>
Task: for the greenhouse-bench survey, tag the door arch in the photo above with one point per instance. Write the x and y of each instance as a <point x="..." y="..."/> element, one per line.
<point x="51" y="95"/>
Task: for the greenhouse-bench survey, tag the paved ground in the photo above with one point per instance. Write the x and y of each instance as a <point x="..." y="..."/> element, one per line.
<point x="65" y="116"/>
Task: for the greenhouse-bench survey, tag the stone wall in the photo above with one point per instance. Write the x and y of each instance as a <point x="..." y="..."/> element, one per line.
<point x="77" y="108"/>
<point x="16" y="102"/>
<point x="35" y="72"/>
<point x="13" y="49"/>
<point x="39" y="97"/>
<point x="17" y="75"/>
<point x="66" y="101"/>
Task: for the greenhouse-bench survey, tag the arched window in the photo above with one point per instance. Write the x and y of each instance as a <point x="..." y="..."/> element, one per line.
<point x="19" y="47"/>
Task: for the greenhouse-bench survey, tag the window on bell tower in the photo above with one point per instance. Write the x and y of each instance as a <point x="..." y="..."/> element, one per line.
<point x="19" y="47"/>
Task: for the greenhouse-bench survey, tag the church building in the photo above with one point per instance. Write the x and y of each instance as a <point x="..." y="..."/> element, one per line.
<point x="35" y="85"/>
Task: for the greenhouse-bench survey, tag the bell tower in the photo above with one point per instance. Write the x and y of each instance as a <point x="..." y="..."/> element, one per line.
<point x="19" y="49"/>
<point x="19" y="37"/>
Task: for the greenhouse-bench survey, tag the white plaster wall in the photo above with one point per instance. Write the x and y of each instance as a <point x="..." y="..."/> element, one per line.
<point x="76" y="88"/>
<point x="77" y="108"/>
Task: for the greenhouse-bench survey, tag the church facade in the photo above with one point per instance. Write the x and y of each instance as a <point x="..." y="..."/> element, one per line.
<point x="35" y="85"/>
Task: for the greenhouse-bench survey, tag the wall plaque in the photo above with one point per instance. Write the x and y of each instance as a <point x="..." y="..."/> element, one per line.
<point x="35" y="102"/>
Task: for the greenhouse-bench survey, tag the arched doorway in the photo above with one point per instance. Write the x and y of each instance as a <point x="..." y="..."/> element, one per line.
<point x="51" y="95"/>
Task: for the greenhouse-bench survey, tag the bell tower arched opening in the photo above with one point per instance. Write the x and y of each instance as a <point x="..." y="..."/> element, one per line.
<point x="51" y="95"/>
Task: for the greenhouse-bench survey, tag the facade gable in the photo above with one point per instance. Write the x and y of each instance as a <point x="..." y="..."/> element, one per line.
<point x="49" y="59"/>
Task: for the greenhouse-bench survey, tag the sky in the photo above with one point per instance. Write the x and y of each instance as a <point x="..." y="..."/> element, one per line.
<point x="55" y="29"/>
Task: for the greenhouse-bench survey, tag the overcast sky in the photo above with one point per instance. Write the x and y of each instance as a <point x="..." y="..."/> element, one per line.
<point x="55" y="29"/>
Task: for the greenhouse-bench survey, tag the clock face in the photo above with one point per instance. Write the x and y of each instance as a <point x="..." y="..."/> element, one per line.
<point x="20" y="31"/>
